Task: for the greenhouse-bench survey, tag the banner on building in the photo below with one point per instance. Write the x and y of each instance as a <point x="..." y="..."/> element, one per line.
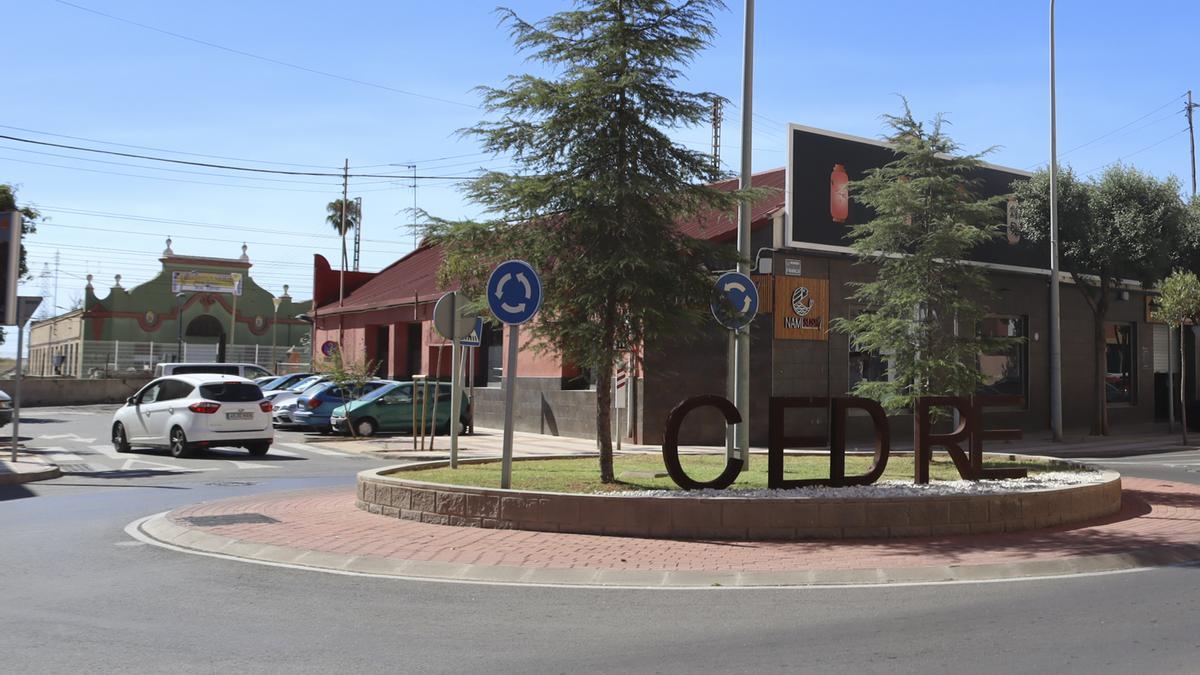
<point x="801" y="308"/>
<point x="206" y="282"/>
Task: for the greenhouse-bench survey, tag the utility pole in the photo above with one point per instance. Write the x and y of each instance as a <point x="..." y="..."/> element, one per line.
<point x="357" y="230"/>
<point x="742" y="392"/>
<point x="717" y="117"/>
<point x="342" y="229"/>
<point x="1192" y="137"/>
<point x="1055" y="329"/>
<point x="414" y="168"/>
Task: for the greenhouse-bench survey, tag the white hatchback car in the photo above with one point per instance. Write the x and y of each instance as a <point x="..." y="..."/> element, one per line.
<point x="186" y="412"/>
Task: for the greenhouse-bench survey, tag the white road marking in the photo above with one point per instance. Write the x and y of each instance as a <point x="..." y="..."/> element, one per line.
<point x="310" y="448"/>
<point x="107" y="451"/>
<point x="282" y="453"/>
<point x="58" y="455"/>
<point x="132" y="465"/>
<point x="73" y="437"/>
<point x="251" y="465"/>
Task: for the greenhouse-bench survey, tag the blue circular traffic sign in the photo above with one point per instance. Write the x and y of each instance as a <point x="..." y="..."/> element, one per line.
<point x="514" y="292"/>
<point x="734" y="300"/>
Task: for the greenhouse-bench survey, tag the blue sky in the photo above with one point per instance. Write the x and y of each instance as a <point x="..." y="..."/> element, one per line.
<point x="1123" y="69"/>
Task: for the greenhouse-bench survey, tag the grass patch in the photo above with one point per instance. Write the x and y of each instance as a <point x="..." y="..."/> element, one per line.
<point x="583" y="474"/>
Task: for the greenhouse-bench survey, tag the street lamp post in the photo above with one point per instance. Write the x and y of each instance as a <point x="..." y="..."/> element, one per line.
<point x="179" y="324"/>
<point x="1055" y="329"/>
<point x="274" y="332"/>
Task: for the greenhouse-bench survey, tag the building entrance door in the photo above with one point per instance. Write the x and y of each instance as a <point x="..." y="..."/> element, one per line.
<point x="205" y="338"/>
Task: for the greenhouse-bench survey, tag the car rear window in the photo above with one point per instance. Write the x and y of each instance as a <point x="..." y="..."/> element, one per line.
<point x="213" y="368"/>
<point x="231" y="392"/>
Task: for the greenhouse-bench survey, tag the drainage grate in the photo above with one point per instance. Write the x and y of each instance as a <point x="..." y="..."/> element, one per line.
<point x="74" y="467"/>
<point x="232" y="483"/>
<point x="230" y="519"/>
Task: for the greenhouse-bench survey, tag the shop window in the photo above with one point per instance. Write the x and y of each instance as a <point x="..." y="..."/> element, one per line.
<point x="865" y="366"/>
<point x="1003" y="365"/>
<point x="1119" y="383"/>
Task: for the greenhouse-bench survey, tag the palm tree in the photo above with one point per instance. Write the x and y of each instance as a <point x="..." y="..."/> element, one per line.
<point x="335" y="219"/>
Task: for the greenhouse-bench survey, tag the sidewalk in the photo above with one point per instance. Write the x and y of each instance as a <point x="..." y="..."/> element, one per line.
<point x="1159" y="525"/>
<point x="26" y="469"/>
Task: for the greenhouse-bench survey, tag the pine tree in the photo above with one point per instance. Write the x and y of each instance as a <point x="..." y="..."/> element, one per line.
<point x="599" y="183"/>
<point x="922" y="309"/>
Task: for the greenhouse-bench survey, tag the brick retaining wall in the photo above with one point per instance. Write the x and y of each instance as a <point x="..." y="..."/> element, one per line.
<point x="383" y="492"/>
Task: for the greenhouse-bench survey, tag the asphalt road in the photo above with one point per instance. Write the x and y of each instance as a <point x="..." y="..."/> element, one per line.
<point x="77" y="594"/>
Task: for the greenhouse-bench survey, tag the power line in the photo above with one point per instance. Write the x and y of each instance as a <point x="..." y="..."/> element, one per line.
<point x="1124" y="126"/>
<point x="91" y="228"/>
<point x="227" y="167"/>
<point x="266" y="59"/>
<point x="174" y="152"/>
<point x="164" y="178"/>
<point x="1137" y="152"/>
<point x="188" y="223"/>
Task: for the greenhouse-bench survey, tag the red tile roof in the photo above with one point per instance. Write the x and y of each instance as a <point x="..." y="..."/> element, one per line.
<point x="416" y="273"/>
<point x="722" y="226"/>
<point x="396" y="284"/>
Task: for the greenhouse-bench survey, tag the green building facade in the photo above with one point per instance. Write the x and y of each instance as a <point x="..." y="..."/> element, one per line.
<point x="195" y="309"/>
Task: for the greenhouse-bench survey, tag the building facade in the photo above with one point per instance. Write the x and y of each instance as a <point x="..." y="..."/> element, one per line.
<point x="195" y="309"/>
<point x="805" y="271"/>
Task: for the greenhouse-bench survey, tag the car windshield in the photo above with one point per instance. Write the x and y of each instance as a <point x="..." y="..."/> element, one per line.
<point x="306" y="383"/>
<point x="381" y="391"/>
<point x="272" y="383"/>
<point x="231" y="392"/>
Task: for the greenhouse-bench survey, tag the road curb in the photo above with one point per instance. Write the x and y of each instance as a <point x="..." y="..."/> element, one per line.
<point x="48" y="472"/>
<point x="160" y="530"/>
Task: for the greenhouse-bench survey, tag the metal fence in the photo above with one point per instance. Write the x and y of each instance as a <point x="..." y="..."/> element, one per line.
<point x="121" y="358"/>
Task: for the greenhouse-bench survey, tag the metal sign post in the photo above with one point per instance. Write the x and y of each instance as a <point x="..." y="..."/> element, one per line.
<point x="734" y="305"/>
<point x="450" y="319"/>
<point x="26" y="306"/>
<point x="473" y="340"/>
<point x="514" y="294"/>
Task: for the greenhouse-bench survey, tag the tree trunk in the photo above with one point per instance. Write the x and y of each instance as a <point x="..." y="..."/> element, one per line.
<point x="604" y="374"/>
<point x="1182" y="388"/>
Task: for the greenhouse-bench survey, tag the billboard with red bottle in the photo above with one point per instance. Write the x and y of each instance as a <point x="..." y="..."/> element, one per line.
<point x="821" y="209"/>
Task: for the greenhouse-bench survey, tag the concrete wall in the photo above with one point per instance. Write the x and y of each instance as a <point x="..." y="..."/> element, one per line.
<point x="61" y="391"/>
<point x="540" y="406"/>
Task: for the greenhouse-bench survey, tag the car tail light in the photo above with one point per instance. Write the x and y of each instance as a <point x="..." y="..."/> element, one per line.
<point x="314" y="403"/>
<point x="204" y="407"/>
<point x="265" y="406"/>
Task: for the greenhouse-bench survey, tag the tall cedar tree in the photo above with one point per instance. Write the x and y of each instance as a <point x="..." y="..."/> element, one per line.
<point x="1123" y="225"/>
<point x="1179" y="306"/>
<point x="8" y="202"/>
<point x="922" y="309"/>
<point x="599" y="184"/>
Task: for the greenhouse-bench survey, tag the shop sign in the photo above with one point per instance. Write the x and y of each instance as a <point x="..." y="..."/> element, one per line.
<point x="206" y="282"/>
<point x="801" y="308"/>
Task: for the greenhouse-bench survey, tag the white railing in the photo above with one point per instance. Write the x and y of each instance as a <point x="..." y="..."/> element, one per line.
<point x="121" y="358"/>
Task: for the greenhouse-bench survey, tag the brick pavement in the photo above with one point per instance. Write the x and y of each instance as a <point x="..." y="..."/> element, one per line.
<point x="1159" y="521"/>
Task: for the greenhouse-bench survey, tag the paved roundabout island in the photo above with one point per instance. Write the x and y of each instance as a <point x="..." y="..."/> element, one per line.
<point x="1156" y="523"/>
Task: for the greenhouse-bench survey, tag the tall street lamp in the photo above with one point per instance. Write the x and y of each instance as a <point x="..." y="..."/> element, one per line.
<point x="179" y="324"/>
<point x="1055" y="329"/>
<point x="274" y="332"/>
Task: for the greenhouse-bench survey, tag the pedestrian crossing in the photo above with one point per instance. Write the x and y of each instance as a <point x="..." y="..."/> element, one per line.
<point x="104" y="460"/>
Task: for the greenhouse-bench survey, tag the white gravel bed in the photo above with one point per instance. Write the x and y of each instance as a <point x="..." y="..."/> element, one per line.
<point x="892" y="488"/>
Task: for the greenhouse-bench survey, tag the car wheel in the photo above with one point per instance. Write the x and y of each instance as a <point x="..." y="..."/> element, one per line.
<point x="462" y="431"/>
<point x="258" y="449"/>
<point x="119" y="440"/>
<point x="365" y="427"/>
<point x="179" y="444"/>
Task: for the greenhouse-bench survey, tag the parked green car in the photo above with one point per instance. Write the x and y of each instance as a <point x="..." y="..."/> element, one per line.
<point x="390" y="408"/>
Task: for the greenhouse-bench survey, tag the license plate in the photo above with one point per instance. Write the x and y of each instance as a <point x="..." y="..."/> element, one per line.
<point x="239" y="416"/>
